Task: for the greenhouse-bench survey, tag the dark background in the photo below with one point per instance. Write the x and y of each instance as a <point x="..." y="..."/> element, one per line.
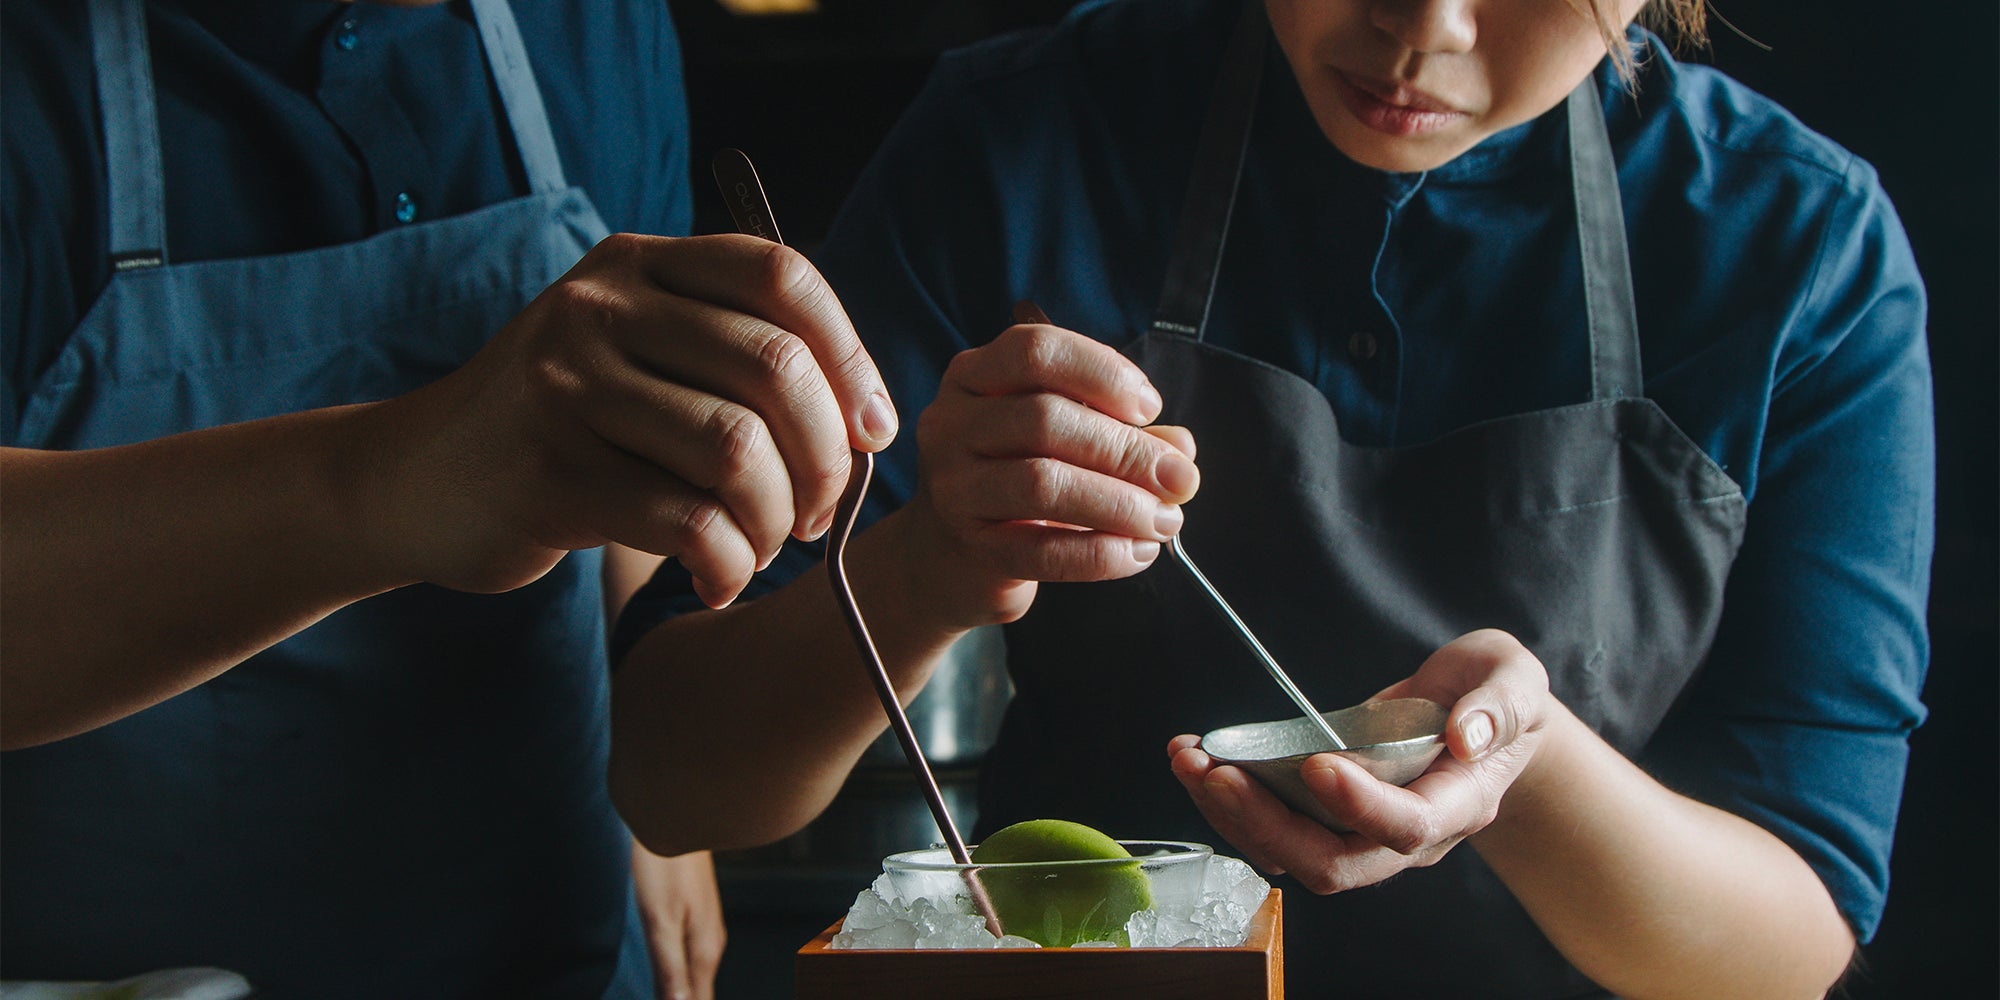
<point x="1912" y="89"/>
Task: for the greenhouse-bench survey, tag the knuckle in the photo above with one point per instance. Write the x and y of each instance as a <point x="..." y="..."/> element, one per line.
<point x="735" y="438"/>
<point x="1048" y="420"/>
<point x="618" y="246"/>
<point x="1136" y="509"/>
<point x="689" y="524"/>
<point x="784" y="272"/>
<point x="954" y="370"/>
<point x="587" y="302"/>
<point x="826" y="472"/>
<point x="555" y="376"/>
<point x="1075" y="559"/>
<point x="1040" y="350"/>
<point x="786" y="363"/>
<point x="1043" y="485"/>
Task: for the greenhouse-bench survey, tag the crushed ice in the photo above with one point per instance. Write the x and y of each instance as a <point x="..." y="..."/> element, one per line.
<point x="1231" y="892"/>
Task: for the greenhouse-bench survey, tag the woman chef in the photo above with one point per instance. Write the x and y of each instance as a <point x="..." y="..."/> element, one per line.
<point x="1532" y="371"/>
<point x="308" y="400"/>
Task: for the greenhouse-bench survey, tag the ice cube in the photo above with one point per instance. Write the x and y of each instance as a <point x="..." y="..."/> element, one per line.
<point x="1231" y="892"/>
<point x="1153" y="929"/>
<point x="875" y="922"/>
<point x="940" y="925"/>
<point x="1235" y="881"/>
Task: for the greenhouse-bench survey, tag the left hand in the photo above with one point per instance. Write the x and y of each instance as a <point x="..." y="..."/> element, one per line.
<point x="682" y="911"/>
<point x="1499" y="698"/>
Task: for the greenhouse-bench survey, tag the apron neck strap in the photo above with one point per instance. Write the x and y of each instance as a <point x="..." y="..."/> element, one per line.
<point x="507" y="61"/>
<point x="1218" y="168"/>
<point x="135" y="188"/>
<point x="1211" y="190"/>
<point x="1600" y="232"/>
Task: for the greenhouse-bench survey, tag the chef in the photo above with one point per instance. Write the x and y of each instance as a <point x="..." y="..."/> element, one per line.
<point x="1532" y="371"/>
<point x="334" y="421"/>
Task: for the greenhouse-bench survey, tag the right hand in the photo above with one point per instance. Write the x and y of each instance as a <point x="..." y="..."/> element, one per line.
<point x="695" y="398"/>
<point x="1038" y="465"/>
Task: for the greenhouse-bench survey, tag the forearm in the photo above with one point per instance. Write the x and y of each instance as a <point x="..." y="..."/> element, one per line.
<point x="736" y="727"/>
<point x="136" y="572"/>
<point x="1655" y="895"/>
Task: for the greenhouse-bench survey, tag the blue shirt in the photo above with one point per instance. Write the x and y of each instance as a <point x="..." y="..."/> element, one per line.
<point x="406" y="798"/>
<point x="1780" y="311"/>
<point x="302" y="123"/>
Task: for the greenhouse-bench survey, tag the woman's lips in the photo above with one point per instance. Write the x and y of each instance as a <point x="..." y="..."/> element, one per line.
<point x="1394" y="109"/>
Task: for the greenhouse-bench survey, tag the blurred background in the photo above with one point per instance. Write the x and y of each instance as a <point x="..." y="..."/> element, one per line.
<point x="808" y="89"/>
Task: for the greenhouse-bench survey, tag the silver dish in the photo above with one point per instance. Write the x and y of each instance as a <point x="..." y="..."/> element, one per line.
<point x="1394" y="740"/>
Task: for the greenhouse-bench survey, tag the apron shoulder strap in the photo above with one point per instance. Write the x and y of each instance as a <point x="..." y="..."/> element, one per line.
<point x="1210" y="198"/>
<point x="135" y="192"/>
<point x="1211" y="190"/>
<point x="135" y="184"/>
<point x="1600" y="232"/>
<point x="507" y="60"/>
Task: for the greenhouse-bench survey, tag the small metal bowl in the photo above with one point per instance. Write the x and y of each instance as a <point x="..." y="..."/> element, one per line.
<point x="1394" y="740"/>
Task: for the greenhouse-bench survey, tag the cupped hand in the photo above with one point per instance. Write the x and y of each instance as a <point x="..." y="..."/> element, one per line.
<point x="1499" y="698"/>
<point x="1038" y="464"/>
<point x="695" y="398"/>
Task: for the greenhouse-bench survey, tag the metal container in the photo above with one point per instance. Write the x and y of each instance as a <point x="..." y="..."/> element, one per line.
<point x="957" y="715"/>
<point x="1394" y="740"/>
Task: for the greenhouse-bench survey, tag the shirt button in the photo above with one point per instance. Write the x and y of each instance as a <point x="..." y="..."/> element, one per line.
<point x="406" y="208"/>
<point x="347" y="38"/>
<point x="1361" y="346"/>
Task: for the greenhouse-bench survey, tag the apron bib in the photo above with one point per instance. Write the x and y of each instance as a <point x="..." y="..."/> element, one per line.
<point x="1596" y="533"/>
<point x="407" y="798"/>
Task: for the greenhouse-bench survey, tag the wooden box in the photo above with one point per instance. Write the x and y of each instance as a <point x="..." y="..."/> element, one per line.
<point x="1253" y="971"/>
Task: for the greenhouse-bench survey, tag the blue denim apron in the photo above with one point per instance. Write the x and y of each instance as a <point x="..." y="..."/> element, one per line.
<point x="1597" y="533"/>
<point x="407" y="798"/>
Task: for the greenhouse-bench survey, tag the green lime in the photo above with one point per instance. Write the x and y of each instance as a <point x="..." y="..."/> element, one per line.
<point x="1060" y="905"/>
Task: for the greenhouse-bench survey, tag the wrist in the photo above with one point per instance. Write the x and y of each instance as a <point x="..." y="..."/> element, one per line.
<point x="376" y="489"/>
<point x="944" y="584"/>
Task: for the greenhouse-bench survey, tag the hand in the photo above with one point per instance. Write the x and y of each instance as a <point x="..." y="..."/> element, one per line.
<point x="1499" y="698"/>
<point x="687" y="397"/>
<point x="682" y="911"/>
<point x="1037" y="464"/>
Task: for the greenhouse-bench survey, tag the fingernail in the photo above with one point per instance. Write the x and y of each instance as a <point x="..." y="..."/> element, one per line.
<point x="1320" y="776"/>
<point x="1221" y="793"/>
<point x="1167" y="523"/>
<point x="1145" y="550"/>
<point x="1176" y="474"/>
<point x="1477" y="729"/>
<point x="818" y="529"/>
<point x="878" y="419"/>
<point x="1154" y="404"/>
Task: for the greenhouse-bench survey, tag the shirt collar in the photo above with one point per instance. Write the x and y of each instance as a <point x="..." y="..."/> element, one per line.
<point x="1501" y="156"/>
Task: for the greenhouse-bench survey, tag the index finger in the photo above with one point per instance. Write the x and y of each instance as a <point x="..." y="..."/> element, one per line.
<point x="779" y="286"/>
<point x="1041" y="358"/>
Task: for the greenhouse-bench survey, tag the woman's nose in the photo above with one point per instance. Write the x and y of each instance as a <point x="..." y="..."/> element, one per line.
<point x="1428" y="26"/>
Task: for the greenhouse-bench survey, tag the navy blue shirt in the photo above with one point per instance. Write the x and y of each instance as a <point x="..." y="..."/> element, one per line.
<point x="298" y="124"/>
<point x="1780" y="312"/>
<point x="406" y="798"/>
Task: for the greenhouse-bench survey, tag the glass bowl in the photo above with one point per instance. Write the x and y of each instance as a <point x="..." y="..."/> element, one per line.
<point x="1063" y="901"/>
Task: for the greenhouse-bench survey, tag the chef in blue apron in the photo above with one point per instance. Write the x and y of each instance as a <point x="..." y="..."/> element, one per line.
<point x="1527" y="369"/>
<point x="324" y="388"/>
